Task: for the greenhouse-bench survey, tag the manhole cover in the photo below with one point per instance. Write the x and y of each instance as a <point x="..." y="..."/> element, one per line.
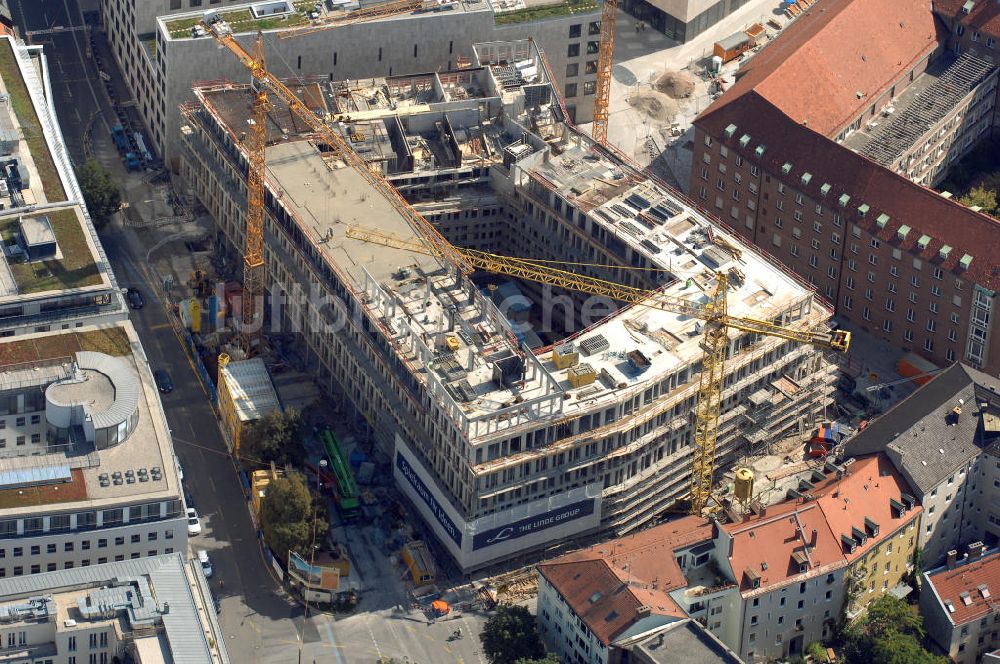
<point x="623" y="75"/>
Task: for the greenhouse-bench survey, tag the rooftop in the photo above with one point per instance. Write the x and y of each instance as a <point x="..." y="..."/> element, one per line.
<point x="897" y="211"/>
<point x="922" y="432"/>
<point x="117" y="384"/>
<point x="983" y="16"/>
<point x="134" y="595"/>
<point x="251" y="389"/>
<point x="522" y="11"/>
<point x="845" y="52"/>
<point x="683" y="641"/>
<point x="925" y="102"/>
<point x="965" y="592"/>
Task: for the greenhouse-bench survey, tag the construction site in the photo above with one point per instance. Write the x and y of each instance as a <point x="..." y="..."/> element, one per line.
<point x="546" y="342"/>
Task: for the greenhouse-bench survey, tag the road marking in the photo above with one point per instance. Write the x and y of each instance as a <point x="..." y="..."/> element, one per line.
<point x="378" y="651"/>
<point x="160" y="326"/>
<point x="333" y="641"/>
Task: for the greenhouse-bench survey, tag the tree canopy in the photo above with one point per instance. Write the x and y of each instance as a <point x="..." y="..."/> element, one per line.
<point x="890" y="633"/>
<point x="275" y="437"/>
<point x="510" y="636"/>
<point x="286" y="517"/>
<point x="99" y="191"/>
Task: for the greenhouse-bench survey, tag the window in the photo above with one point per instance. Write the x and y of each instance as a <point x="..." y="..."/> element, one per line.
<point x="572" y="69"/>
<point x="575" y="30"/>
<point x="573" y="51"/>
<point x="589" y="87"/>
<point x="593" y="47"/>
<point x="571" y="89"/>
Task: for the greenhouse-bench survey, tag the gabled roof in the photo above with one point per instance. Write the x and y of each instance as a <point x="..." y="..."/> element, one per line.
<point x="836" y="171"/>
<point x="861" y="502"/>
<point x="960" y="588"/>
<point x="815" y="69"/>
<point x="606" y="584"/>
<point x="770" y="547"/>
<point x="930" y="444"/>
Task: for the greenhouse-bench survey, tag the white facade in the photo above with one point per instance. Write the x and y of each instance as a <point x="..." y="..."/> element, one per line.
<point x="563" y="630"/>
<point x="953" y="510"/>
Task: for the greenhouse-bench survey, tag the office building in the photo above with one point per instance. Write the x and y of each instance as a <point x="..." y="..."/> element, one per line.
<point x="502" y="444"/>
<point x="156" y="610"/>
<point x="87" y="472"/>
<point x="162" y="58"/>
<point x="830" y="183"/>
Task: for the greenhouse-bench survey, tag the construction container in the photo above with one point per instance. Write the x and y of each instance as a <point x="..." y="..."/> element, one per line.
<point x="744" y="485"/>
<point x="565" y="355"/>
<point x="756" y="33"/>
<point x="581" y="375"/>
<point x="418" y="561"/>
<point x="732" y="46"/>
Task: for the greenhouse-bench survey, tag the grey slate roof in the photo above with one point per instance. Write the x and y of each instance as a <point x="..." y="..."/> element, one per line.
<point x="687" y="642"/>
<point x="187" y="641"/>
<point x="916" y="430"/>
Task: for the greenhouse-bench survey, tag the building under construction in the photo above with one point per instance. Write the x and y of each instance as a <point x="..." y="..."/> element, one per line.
<point x="508" y="430"/>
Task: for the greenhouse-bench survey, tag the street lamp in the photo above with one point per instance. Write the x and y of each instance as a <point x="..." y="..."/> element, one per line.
<point x="319" y="477"/>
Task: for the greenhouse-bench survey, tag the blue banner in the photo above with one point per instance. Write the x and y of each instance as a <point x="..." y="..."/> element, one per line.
<point x="533" y="524"/>
<point x="425" y="494"/>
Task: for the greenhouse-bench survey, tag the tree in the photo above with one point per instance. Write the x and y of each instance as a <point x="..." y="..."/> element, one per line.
<point x="889" y="633"/>
<point x="287" y="517"/>
<point x="275" y="437"/>
<point x="99" y="191"/>
<point x="982" y="197"/>
<point x="550" y="658"/>
<point x="511" y="635"/>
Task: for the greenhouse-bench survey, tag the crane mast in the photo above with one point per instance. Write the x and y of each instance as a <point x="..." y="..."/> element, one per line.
<point x="602" y="91"/>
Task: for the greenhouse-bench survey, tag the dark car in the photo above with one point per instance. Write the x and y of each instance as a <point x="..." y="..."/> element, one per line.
<point x="134" y="298"/>
<point x="163" y="381"/>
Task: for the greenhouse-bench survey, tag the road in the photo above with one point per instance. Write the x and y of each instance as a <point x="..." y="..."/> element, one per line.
<point x="260" y="622"/>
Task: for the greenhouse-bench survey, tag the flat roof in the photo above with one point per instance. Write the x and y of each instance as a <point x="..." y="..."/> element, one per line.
<point x="94" y="472"/>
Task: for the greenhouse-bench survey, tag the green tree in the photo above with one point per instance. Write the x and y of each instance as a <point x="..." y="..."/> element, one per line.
<point x="889" y="633"/>
<point x="550" y="658"/>
<point x="287" y="517"/>
<point x="511" y="635"/>
<point x="275" y="437"/>
<point x="982" y="197"/>
<point x="99" y="191"/>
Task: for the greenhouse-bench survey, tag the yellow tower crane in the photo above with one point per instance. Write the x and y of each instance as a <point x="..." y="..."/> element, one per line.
<point x="602" y="87"/>
<point x="431" y="242"/>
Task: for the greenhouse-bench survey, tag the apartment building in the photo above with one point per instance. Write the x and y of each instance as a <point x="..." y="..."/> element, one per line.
<point x="162" y="58"/>
<point x="54" y="274"/>
<point x="501" y="448"/>
<point x="897" y="259"/>
<point x="149" y="611"/>
<point x="957" y="605"/>
<point x="973" y="29"/>
<point x="593" y="602"/>
<point x="940" y="439"/>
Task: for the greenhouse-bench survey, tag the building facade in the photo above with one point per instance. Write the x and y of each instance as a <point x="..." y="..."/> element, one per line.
<point x="498" y="464"/>
<point x="959" y="613"/>
<point x="162" y="60"/>
<point x="682" y="20"/>
<point x="157" y="609"/>
<point x="832" y="188"/>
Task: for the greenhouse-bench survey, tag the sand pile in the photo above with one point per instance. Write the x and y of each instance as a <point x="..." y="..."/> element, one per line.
<point x="675" y="84"/>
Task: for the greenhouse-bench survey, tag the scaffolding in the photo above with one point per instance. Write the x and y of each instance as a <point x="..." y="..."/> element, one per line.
<point x="899" y="134"/>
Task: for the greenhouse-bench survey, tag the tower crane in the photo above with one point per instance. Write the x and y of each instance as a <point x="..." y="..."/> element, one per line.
<point x="713" y="312"/>
<point x="602" y="87"/>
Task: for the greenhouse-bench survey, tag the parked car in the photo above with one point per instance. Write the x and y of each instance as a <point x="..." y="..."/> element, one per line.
<point x="194" y="523"/>
<point x="163" y="381"/>
<point x="134" y="298"/>
<point x="180" y="471"/>
<point x="206" y="563"/>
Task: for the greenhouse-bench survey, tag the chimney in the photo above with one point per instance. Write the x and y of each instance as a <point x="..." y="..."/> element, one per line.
<point x="952" y="557"/>
<point x="975" y="550"/>
<point x="812" y="540"/>
<point x="166" y="608"/>
<point x="731" y="543"/>
<point x="642" y="611"/>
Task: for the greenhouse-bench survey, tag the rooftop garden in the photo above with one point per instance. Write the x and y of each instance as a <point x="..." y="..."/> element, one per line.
<point x="71" y="491"/>
<point x="110" y="340"/>
<point x="31" y="128"/>
<point x="242" y="20"/>
<point x="551" y="10"/>
<point x="75" y="269"/>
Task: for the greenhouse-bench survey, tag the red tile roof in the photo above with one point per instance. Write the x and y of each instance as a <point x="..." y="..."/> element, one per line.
<point x="984" y="17"/>
<point x="864" y="181"/>
<point x="606" y="584"/>
<point x="765" y="545"/>
<point x="836" y="49"/>
<point x="950" y="584"/>
<point x="865" y="491"/>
